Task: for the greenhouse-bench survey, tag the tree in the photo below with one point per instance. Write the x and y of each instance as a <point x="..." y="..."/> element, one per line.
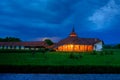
<point x="1" y="39"/>
<point x="48" y="41"/>
<point x="118" y="46"/>
<point x="10" y="39"/>
<point x="107" y="46"/>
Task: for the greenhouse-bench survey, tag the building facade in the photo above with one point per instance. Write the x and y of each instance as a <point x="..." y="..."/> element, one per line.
<point x="76" y="44"/>
<point x="70" y="44"/>
<point x="23" y="45"/>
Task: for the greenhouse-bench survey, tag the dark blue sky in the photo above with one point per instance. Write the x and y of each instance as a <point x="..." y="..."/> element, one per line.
<point x="38" y="19"/>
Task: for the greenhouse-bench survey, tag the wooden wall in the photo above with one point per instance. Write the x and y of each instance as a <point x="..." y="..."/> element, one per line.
<point x="76" y="48"/>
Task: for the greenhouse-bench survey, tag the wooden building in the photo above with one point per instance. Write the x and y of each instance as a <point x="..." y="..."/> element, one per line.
<point x="76" y="44"/>
<point x="23" y="45"/>
<point x="71" y="43"/>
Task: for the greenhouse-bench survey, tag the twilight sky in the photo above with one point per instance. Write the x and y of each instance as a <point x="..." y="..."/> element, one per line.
<point x="33" y="20"/>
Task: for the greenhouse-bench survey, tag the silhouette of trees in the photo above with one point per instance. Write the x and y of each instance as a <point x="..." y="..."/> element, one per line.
<point x="10" y="39"/>
<point x="118" y="46"/>
<point x="48" y="41"/>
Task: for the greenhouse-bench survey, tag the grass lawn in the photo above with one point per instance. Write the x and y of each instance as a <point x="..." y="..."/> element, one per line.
<point x="60" y="59"/>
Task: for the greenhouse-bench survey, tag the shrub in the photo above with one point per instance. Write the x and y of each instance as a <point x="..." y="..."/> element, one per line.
<point x="101" y="53"/>
<point x="94" y="53"/>
<point x="106" y="52"/>
<point x="80" y="56"/>
<point x="71" y="56"/>
<point x="51" y="50"/>
<point x="33" y="52"/>
<point x="111" y="52"/>
<point x="75" y="56"/>
<point x="42" y="50"/>
<point x="14" y="51"/>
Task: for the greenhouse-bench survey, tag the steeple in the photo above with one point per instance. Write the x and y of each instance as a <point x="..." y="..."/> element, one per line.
<point x="73" y="34"/>
<point x="73" y="30"/>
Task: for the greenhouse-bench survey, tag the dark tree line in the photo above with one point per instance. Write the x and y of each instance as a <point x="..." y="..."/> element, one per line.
<point x="49" y="42"/>
<point x="10" y="39"/>
<point x="117" y="46"/>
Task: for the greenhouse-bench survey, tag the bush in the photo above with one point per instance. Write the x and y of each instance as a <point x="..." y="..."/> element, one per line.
<point x="43" y="50"/>
<point x="51" y="50"/>
<point x="111" y="52"/>
<point x="80" y="56"/>
<point x="33" y="52"/>
<point x="94" y="53"/>
<point x="14" y="51"/>
<point x="101" y="53"/>
<point x="75" y="56"/>
<point x="106" y="53"/>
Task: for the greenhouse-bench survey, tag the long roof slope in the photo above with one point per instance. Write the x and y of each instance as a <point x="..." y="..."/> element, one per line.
<point x="35" y="43"/>
<point x="74" y="39"/>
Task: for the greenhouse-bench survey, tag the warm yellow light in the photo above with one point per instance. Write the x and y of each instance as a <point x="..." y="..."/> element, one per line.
<point x="73" y="35"/>
<point x="71" y="46"/>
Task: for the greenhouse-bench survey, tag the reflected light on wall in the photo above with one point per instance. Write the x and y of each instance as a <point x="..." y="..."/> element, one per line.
<point x="72" y="47"/>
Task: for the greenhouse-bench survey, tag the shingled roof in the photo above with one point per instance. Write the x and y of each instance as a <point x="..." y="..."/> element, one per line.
<point x="77" y="40"/>
<point x="35" y="43"/>
<point x="74" y="39"/>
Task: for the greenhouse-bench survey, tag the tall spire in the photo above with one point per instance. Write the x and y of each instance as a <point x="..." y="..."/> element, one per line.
<point x="73" y="30"/>
<point x="73" y="34"/>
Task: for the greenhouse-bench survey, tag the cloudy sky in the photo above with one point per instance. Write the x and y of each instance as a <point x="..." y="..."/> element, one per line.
<point x="33" y="20"/>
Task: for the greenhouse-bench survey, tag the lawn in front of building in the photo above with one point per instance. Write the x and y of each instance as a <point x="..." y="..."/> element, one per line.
<point x="62" y="58"/>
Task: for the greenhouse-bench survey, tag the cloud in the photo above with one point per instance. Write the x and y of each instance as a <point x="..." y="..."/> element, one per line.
<point x="31" y="16"/>
<point x="31" y="19"/>
<point x="103" y="17"/>
<point x="34" y="12"/>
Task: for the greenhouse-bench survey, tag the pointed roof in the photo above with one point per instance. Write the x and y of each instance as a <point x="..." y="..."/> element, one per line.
<point x="73" y="30"/>
<point x="73" y="34"/>
<point x="74" y="39"/>
<point x="77" y="41"/>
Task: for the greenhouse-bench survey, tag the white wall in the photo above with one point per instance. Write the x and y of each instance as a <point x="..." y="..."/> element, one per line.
<point x="22" y="47"/>
<point x="17" y="47"/>
<point x="98" y="46"/>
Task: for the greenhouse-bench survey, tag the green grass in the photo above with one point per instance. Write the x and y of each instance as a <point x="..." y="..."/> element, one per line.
<point x="60" y="59"/>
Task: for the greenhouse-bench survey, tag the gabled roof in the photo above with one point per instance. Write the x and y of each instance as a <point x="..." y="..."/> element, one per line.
<point x="35" y="43"/>
<point x="77" y="40"/>
<point x="74" y="39"/>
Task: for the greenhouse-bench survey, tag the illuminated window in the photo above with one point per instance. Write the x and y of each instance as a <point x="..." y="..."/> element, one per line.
<point x="81" y="48"/>
<point x="70" y="47"/>
<point x="90" y="48"/>
<point x="64" y="47"/>
<point x="60" y="48"/>
<point x="86" y="47"/>
<point x="76" y="48"/>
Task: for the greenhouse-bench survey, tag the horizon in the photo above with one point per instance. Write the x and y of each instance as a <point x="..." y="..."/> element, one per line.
<point x="52" y="19"/>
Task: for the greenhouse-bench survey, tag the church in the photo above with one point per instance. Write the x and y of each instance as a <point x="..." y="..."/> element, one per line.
<point x="77" y="44"/>
<point x="72" y="43"/>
